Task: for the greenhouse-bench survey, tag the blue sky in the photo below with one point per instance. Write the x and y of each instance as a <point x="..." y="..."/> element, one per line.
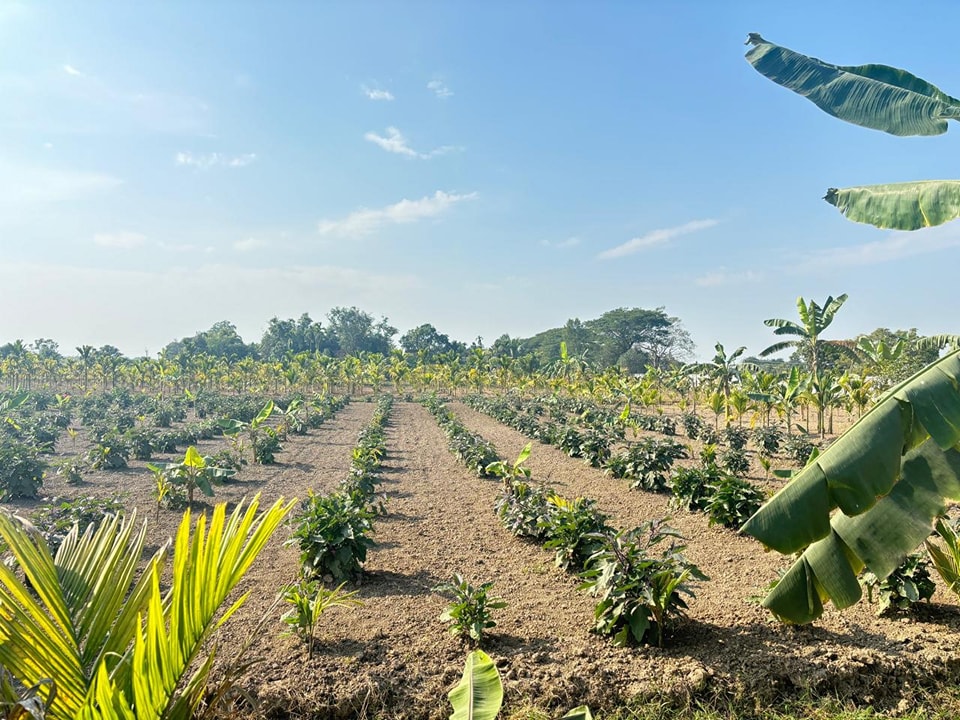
<point x="485" y="167"/>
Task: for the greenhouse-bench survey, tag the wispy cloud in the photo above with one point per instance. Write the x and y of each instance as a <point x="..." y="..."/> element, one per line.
<point x="71" y="70"/>
<point x="120" y="240"/>
<point x="249" y="245"/>
<point x="722" y="276"/>
<point x="896" y="246"/>
<point x="28" y="186"/>
<point x="365" y="221"/>
<point x="376" y="93"/>
<point x="395" y="142"/>
<point x="568" y="243"/>
<point x="205" y="161"/>
<point x="655" y="238"/>
<point x="439" y="88"/>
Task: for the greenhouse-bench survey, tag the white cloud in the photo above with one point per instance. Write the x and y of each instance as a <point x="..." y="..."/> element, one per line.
<point x="654" y="238"/>
<point x="205" y="161"/>
<point x="439" y="89"/>
<point x="71" y="70"/>
<point x="568" y="243"/>
<point x="376" y="93"/>
<point x="249" y="244"/>
<point x="395" y="142"/>
<point x="722" y="276"/>
<point x="120" y="240"/>
<point x="365" y="221"/>
<point x="895" y="246"/>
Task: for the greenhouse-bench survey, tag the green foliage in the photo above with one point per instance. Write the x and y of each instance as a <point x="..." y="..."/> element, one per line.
<point x="266" y="444"/>
<point x="573" y="529"/>
<point x="946" y="560"/>
<point x="194" y="471"/>
<point x="479" y="694"/>
<point x="110" y="453"/>
<point x="735" y="461"/>
<point x="595" y="448"/>
<point x="332" y="533"/>
<point x="768" y="439"/>
<point x="56" y="518"/>
<point x="731" y="501"/>
<point x="799" y="448"/>
<point x="309" y="600"/>
<point x="735" y="437"/>
<point x="524" y="509"/>
<point x="692" y="424"/>
<point x="909" y="583"/>
<point x="469" y="611"/>
<point x="646" y="463"/>
<point x="692" y="487"/>
<point x="71" y="469"/>
<point x="21" y="470"/>
<point x="640" y="584"/>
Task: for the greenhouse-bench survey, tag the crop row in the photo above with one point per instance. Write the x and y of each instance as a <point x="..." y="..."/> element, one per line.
<point x="646" y="463"/>
<point x="640" y="576"/>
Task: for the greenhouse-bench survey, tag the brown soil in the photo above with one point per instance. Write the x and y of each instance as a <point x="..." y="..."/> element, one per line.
<point x="393" y="657"/>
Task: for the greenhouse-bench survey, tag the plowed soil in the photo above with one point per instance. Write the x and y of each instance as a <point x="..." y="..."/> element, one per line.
<point x="393" y="657"/>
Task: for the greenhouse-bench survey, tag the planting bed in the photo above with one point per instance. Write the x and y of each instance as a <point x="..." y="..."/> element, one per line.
<point x="393" y="657"/>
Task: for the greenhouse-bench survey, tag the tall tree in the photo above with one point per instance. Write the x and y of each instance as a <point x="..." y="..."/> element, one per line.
<point x="356" y="331"/>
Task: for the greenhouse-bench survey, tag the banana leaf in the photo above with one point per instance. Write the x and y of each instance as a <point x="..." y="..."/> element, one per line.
<point x="874" y="96"/>
<point x="890" y="475"/>
<point x="479" y="694"/>
<point x="900" y="206"/>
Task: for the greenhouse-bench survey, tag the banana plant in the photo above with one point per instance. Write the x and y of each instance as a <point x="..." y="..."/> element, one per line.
<point x="83" y="623"/>
<point x="890" y="476"/>
<point x="232" y="427"/>
<point x="878" y="97"/>
<point x="194" y="471"/>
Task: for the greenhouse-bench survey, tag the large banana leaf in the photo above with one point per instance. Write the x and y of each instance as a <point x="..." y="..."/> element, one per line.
<point x="874" y="96"/>
<point x="889" y="475"/>
<point x="900" y="206"/>
<point x="479" y="694"/>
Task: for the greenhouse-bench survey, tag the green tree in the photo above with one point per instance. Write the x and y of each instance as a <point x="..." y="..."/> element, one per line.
<point x="425" y="343"/>
<point x="356" y="331"/>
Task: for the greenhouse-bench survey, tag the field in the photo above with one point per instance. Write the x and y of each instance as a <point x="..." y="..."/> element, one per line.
<point x="393" y="657"/>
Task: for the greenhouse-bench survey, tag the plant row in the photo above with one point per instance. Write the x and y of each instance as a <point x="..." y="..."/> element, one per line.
<point x="641" y="575"/>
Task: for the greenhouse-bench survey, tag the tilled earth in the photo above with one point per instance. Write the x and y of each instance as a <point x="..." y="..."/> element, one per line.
<point x="393" y="657"/>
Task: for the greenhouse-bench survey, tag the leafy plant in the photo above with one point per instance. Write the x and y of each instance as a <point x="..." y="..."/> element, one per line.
<point x="799" y="448"/>
<point x="469" y="612"/>
<point x="692" y="424"/>
<point x="257" y="431"/>
<point x="909" y="583"/>
<point x="310" y="599"/>
<point x="479" y="694"/>
<point x="21" y="470"/>
<point x="56" y="519"/>
<point x="573" y="529"/>
<point x="332" y="535"/>
<point x="524" y="509"/>
<point x="692" y="486"/>
<point x="735" y="461"/>
<point x="731" y="501"/>
<point x="947" y="561"/>
<point x="194" y="471"/>
<point x="107" y="639"/>
<point x="110" y="453"/>
<point x="640" y="585"/>
<point x="736" y="437"/>
<point x="768" y="439"/>
<point x="595" y="448"/>
<point x="646" y="463"/>
<point x="71" y="469"/>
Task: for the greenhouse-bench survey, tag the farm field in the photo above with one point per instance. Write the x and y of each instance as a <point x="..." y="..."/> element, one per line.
<point x="393" y="657"/>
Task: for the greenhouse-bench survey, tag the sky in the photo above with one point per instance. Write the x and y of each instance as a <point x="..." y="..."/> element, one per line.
<point x="486" y="167"/>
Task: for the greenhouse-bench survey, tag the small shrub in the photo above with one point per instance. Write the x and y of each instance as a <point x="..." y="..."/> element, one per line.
<point x="110" y="453"/>
<point x="570" y="441"/>
<point x="524" y="509"/>
<point x="692" y="425"/>
<point x="573" y="529"/>
<point x="21" y="470"/>
<point x="71" y="469"/>
<point x="266" y="444"/>
<point x="595" y="448"/>
<point x="691" y="486"/>
<point x="768" y="438"/>
<point x="709" y="435"/>
<point x="731" y="502"/>
<point x="735" y="437"/>
<point x="57" y="518"/>
<point x="908" y="584"/>
<point x="641" y="584"/>
<point x="799" y="448"/>
<point x="735" y="461"/>
<point x="469" y="612"/>
<point x="332" y="535"/>
<point x="646" y="463"/>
